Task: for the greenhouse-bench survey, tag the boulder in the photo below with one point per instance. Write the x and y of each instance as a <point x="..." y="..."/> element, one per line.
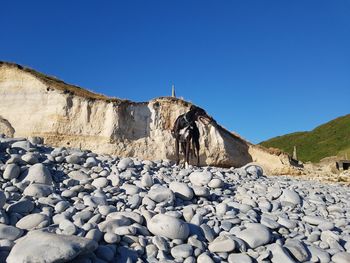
<point x="181" y="190"/>
<point x="33" y="221"/>
<point x="38" y="173"/>
<point x="255" y="235"/>
<point x="11" y="171"/>
<point x="200" y="178"/>
<point x="10" y="232"/>
<point x="168" y="226"/>
<point x="44" y="247"/>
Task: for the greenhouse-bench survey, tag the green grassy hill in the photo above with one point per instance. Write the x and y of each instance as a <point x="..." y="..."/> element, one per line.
<point x="329" y="139"/>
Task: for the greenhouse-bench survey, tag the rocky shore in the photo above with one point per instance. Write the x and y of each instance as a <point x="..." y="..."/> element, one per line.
<point x="69" y="205"/>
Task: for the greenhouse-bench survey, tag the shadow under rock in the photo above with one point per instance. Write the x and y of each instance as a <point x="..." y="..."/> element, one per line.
<point x="125" y="255"/>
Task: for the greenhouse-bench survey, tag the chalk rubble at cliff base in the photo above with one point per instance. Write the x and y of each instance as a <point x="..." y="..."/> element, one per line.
<point x="60" y="204"/>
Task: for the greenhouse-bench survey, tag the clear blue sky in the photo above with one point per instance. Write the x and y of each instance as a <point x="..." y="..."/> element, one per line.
<point x="260" y="68"/>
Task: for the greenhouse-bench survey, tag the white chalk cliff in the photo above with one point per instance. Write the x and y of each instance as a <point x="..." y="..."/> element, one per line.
<point x="33" y="104"/>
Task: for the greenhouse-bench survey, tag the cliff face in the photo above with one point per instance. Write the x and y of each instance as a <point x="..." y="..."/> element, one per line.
<point x="33" y="104"/>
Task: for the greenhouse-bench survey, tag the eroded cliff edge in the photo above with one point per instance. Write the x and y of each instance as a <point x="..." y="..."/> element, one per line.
<point x="33" y="104"/>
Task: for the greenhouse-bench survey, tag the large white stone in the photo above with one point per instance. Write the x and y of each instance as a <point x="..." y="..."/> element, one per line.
<point x="130" y="189"/>
<point x="216" y="183"/>
<point x="133" y="216"/>
<point x="25" y="145"/>
<point x="221" y="209"/>
<point x="73" y="159"/>
<point x="290" y="196"/>
<point x="159" y="193"/>
<point x="222" y="244"/>
<point x="255" y="235"/>
<point x="38" y="173"/>
<point x="30" y="158"/>
<point x="79" y="176"/>
<point x="204" y="258"/>
<point x="279" y="254"/>
<point x="314" y="220"/>
<point x="341" y="257"/>
<point x="318" y="254"/>
<point x="168" y="226"/>
<point x="11" y="171"/>
<point x="182" y="251"/>
<point x="201" y="191"/>
<point x="146" y="180"/>
<point x="125" y="163"/>
<point x="38" y="190"/>
<point x="111" y="225"/>
<point x="297" y="249"/>
<point x="42" y="247"/>
<point x="181" y="190"/>
<point x="239" y="258"/>
<point x="91" y="162"/>
<point x="100" y="182"/>
<point x="201" y="178"/>
<point x="33" y="221"/>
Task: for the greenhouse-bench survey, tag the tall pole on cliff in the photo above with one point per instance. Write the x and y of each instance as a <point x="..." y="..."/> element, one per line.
<point x="295" y="157"/>
<point x="173" y="91"/>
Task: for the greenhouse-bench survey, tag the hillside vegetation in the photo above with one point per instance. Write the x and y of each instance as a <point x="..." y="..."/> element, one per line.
<point x="329" y="139"/>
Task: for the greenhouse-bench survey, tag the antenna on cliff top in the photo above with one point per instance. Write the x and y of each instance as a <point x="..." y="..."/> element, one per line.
<point x="173" y="91"/>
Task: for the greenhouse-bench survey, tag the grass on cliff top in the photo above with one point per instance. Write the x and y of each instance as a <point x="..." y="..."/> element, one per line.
<point x="329" y="139"/>
<point x="58" y="84"/>
<point x="55" y="83"/>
